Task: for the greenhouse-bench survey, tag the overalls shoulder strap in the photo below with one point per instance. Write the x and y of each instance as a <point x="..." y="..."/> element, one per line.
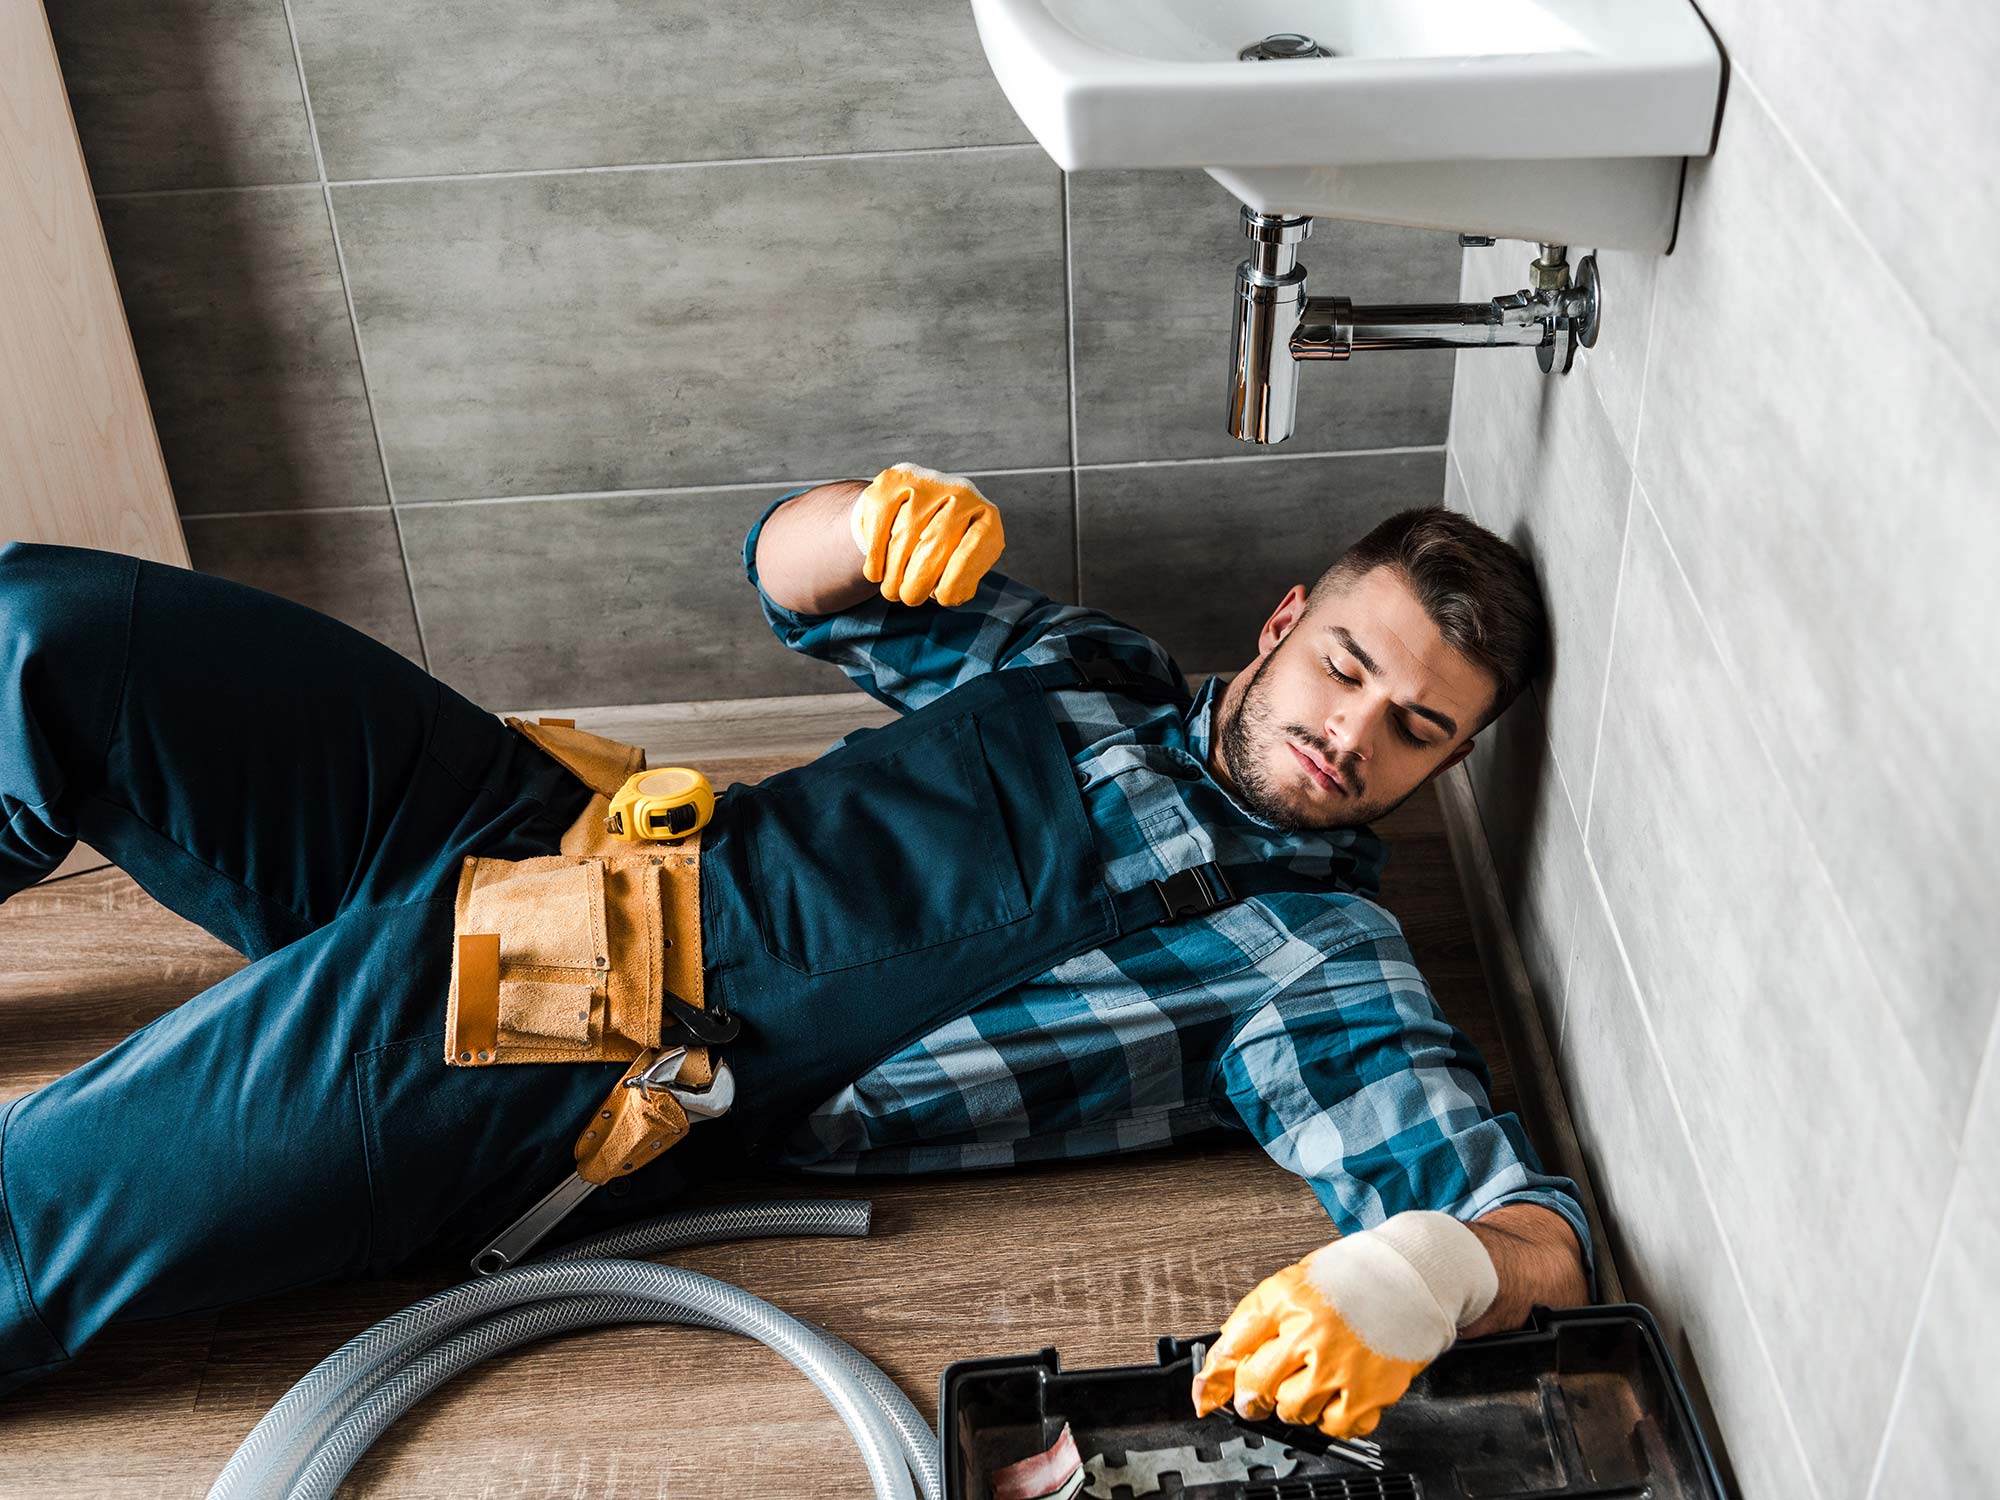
<point x="1202" y="888"/>
<point x="1103" y="674"/>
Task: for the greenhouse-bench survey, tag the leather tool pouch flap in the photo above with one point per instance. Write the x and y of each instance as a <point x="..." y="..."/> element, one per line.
<point x="584" y="949"/>
<point x="632" y="1127"/>
<point x="600" y="764"/>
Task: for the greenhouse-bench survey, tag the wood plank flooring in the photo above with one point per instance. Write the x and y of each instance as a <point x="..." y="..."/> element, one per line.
<point x="1096" y="1259"/>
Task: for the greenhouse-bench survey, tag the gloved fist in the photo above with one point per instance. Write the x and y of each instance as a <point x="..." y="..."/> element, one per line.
<point x="923" y="532"/>
<point x="1330" y="1341"/>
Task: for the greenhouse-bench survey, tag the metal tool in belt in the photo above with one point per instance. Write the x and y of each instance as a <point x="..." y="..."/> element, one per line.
<point x="669" y="802"/>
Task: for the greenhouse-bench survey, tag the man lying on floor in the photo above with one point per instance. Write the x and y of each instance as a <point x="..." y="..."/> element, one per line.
<point x="1061" y="906"/>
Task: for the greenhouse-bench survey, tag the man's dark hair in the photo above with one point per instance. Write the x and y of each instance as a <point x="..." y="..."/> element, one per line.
<point x="1476" y="587"/>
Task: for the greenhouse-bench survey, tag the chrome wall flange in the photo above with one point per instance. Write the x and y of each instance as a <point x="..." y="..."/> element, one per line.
<point x="1577" y="322"/>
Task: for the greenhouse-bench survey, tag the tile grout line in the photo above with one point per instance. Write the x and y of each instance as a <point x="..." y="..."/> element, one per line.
<point x="1982" y="1079"/>
<point x="122" y="194"/>
<point x="1569" y="977"/>
<point x="1659" y="1062"/>
<point x="1986" y="1076"/>
<point x="1267" y="458"/>
<point x="1900" y="1393"/>
<point x="583" y="170"/>
<point x="1562" y="777"/>
<point x="1069" y="349"/>
<point x="1610" y="652"/>
<point x="670" y="491"/>
<point x="1625" y="542"/>
<point x="354" y="328"/>
<point x="196" y="517"/>
<point x="1842" y="212"/>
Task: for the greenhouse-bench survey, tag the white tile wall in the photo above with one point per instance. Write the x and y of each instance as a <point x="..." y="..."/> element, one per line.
<point x="1892" y="108"/>
<point x="1666" y="1238"/>
<point x="1772" y="955"/>
<point x="1797" y="1085"/>
<point x="1941" y="1435"/>
<point x="1831" y="498"/>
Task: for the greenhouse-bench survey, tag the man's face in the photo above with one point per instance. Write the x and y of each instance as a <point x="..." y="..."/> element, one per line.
<point x="1348" y="709"/>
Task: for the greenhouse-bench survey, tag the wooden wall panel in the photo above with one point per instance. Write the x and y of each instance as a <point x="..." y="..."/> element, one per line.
<point x="79" y="459"/>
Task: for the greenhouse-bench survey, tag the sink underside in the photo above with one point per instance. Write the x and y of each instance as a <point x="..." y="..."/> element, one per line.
<point x="1540" y="119"/>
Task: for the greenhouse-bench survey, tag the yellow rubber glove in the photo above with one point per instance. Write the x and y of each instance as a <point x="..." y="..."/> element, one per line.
<point x="925" y="533"/>
<point x="1330" y="1341"/>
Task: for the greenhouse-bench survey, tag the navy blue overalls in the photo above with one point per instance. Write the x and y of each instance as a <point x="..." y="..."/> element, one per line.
<point x="307" y="795"/>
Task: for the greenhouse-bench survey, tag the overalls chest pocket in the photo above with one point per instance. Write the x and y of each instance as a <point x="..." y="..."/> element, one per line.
<point x="855" y="860"/>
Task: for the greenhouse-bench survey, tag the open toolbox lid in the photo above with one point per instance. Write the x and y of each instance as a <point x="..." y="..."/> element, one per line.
<point x="1583" y="1404"/>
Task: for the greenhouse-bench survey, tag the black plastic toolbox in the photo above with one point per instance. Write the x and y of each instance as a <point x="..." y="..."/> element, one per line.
<point x="1583" y="1404"/>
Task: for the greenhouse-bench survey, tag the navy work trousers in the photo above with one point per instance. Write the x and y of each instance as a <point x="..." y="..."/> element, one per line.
<point x="306" y="795"/>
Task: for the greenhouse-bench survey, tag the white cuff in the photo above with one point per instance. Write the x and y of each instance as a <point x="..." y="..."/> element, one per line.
<point x="1450" y="1259"/>
<point x="854" y="525"/>
<point x="1408" y="1285"/>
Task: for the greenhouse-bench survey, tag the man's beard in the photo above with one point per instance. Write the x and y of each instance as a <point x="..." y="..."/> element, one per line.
<point x="1253" y="729"/>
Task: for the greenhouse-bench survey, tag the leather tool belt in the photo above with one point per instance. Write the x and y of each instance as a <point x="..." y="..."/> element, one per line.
<point x="564" y="958"/>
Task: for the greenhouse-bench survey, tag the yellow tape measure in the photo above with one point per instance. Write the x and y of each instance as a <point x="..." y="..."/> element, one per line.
<point x="668" y="803"/>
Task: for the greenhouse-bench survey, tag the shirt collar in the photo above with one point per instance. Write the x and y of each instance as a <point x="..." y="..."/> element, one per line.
<point x="1355" y="856"/>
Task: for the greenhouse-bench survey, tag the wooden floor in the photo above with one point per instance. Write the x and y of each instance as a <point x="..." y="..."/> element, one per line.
<point x="1096" y="1259"/>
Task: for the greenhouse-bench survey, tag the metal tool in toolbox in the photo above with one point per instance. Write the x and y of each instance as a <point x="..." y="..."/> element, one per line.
<point x="660" y="805"/>
<point x="1583" y="1404"/>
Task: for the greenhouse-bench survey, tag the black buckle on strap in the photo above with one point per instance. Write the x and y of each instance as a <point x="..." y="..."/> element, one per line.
<point x="708" y="1028"/>
<point x="1105" y="672"/>
<point x="1194" y="892"/>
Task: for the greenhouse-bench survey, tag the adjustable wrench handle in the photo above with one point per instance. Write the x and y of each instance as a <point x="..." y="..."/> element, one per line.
<point x="518" y="1238"/>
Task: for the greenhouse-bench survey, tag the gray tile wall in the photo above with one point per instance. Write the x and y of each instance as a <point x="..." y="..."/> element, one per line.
<point x="1750" y="826"/>
<point x="491" y="333"/>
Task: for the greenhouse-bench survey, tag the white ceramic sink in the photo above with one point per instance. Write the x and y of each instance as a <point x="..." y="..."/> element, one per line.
<point x="1560" y="120"/>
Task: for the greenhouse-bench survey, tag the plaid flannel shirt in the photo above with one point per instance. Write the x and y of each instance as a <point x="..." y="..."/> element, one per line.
<point x="1300" y="1018"/>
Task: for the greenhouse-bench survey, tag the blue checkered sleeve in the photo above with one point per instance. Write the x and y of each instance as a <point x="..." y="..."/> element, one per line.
<point x="1351" y="1077"/>
<point x="907" y="655"/>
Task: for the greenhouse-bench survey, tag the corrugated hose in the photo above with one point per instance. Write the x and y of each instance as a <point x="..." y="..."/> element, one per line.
<point x="309" y="1441"/>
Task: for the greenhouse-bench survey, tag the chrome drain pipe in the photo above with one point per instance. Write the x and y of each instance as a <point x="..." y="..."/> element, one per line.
<point x="1277" y="324"/>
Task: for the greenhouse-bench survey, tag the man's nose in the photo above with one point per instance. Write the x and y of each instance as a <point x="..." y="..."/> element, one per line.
<point x="1352" y="727"/>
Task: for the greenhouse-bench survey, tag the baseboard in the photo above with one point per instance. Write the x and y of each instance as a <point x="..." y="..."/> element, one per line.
<point x="1544" y="1109"/>
<point x="80" y="860"/>
<point x="738" y="728"/>
<point x="728" y="728"/>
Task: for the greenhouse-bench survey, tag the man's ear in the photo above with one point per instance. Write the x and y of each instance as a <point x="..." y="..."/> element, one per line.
<point x="1454" y="758"/>
<point x="1291" y="609"/>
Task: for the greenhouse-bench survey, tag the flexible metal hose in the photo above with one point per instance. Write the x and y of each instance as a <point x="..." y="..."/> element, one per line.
<point x="320" y="1429"/>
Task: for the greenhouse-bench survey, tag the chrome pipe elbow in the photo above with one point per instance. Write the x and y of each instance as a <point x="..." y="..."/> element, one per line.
<point x="1270" y="297"/>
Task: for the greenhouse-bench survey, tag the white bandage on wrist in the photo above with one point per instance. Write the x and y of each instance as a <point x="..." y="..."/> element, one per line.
<point x="1408" y="1285"/>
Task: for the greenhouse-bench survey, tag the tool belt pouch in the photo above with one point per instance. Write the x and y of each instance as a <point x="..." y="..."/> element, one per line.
<point x="563" y="958"/>
<point x="631" y="1127"/>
